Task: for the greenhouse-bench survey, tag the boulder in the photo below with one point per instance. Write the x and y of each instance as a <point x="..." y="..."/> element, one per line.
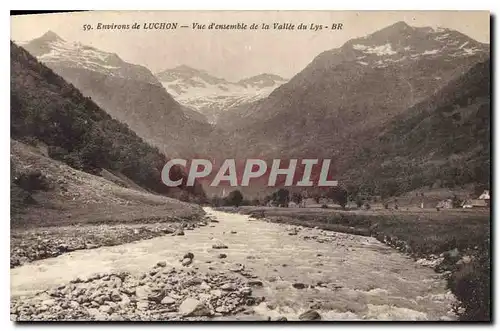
<point x="193" y="307"/>
<point x="106" y="309"/>
<point x="143" y="292"/>
<point x="167" y="301"/>
<point x="310" y="315"/>
<point x="246" y="291"/>
<point x="228" y="287"/>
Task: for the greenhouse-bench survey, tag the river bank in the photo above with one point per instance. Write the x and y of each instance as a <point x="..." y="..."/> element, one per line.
<point x="160" y="293"/>
<point x="27" y="245"/>
<point x="454" y="243"/>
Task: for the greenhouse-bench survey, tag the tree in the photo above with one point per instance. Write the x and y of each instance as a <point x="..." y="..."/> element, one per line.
<point x="297" y="198"/>
<point x="338" y="195"/>
<point x="282" y="197"/>
<point x="456" y="202"/>
<point x="359" y="202"/>
<point x="234" y="198"/>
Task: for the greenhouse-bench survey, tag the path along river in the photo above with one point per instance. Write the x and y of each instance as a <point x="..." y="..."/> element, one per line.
<point x="352" y="277"/>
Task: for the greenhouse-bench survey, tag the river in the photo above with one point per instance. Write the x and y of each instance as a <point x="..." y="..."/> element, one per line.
<point x="352" y="277"/>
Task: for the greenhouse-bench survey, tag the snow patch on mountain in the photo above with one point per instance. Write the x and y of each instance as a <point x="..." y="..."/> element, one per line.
<point x="212" y="96"/>
<point x="431" y="52"/>
<point x="378" y="50"/>
<point x="401" y="43"/>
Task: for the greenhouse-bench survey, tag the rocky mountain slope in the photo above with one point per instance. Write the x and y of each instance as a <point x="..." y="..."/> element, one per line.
<point x="213" y="96"/>
<point x="128" y="92"/>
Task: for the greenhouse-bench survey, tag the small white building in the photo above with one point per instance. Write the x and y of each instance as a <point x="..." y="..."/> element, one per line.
<point x="485" y="195"/>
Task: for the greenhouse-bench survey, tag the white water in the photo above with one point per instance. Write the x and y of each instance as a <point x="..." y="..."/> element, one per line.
<point x="367" y="279"/>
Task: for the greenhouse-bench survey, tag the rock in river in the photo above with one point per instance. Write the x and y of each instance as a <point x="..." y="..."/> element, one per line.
<point x="254" y="282"/>
<point x="219" y="245"/>
<point x="299" y="286"/>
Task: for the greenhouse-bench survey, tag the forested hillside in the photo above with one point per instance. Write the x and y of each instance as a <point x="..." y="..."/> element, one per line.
<point x="443" y="141"/>
<point x="46" y="109"/>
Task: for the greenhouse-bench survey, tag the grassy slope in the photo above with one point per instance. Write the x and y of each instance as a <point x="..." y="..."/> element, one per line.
<point x="76" y="210"/>
<point x="75" y="196"/>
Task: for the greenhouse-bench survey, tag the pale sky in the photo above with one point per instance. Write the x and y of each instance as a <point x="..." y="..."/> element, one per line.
<point x="234" y="54"/>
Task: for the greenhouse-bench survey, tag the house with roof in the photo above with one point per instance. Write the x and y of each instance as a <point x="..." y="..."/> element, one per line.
<point x="483" y="201"/>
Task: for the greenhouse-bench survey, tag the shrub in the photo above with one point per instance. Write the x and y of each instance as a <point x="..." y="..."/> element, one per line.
<point x="235" y="198"/>
<point x="471" y="285"/>
<point x="359" y="202"/>
<point x="31" y="180"/>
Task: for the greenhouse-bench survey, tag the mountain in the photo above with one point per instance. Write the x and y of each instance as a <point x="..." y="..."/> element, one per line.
<point x="50" y="113"/>
<point x="346" y="95"/>
<point x="337" y="105"/>
<point x="443" y="141"/>
<point x="213" y="96"/>
<point x="128" y="92"/>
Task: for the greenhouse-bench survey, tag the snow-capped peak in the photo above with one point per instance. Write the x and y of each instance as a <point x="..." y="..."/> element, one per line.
<point x="53" y="50"/>
<point x="50" y="36"/>
<point x="211" y="95"/>
<point x="400" y="42"/>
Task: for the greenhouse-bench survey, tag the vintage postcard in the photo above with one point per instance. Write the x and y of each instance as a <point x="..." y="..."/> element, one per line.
<point x="250" y="166"/>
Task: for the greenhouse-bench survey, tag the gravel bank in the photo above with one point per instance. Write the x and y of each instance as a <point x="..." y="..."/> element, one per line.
<point x="41" y="243"/>
<point x="162" y="293"/>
